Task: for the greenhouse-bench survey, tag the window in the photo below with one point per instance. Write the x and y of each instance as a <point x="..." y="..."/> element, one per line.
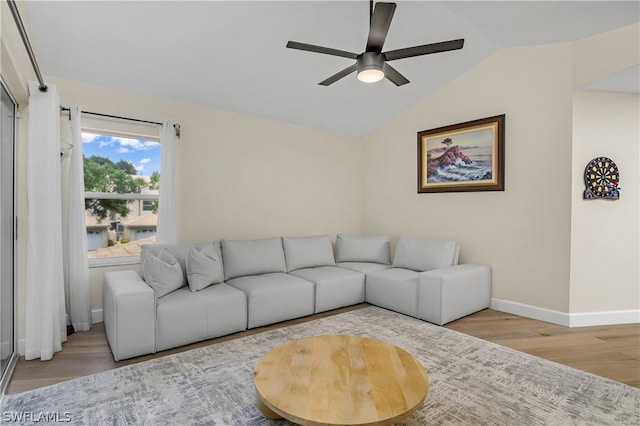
<point x="122" y="186"/>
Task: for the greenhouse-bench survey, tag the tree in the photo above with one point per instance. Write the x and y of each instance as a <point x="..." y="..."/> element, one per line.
<point x="102" y="175"/>
<point x="154" y="181"/>
<point x="126" y="167"/>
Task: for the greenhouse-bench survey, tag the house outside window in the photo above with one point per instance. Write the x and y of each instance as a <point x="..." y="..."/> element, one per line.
<point x="122" y="187"/>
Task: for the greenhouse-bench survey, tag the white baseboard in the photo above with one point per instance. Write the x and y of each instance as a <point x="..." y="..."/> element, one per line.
<point x="534" y="312"/>
<point x="585" y="319"/>
<point x="580" y="319"/>
<point x="96" y="316"/>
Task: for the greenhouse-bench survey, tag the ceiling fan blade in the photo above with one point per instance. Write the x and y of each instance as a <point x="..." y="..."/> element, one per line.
<point x="380" y="22"/>
<point x="425" y="49"/>
<point x="337" y="76"/>
<point x="394" y="76"/>
<point x="320" y="49"/>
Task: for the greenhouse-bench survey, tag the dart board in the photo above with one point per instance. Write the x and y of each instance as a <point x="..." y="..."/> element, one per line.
<point x="601" y="177"/>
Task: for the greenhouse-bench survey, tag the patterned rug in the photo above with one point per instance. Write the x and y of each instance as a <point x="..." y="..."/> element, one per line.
<point x="472" y="382"/>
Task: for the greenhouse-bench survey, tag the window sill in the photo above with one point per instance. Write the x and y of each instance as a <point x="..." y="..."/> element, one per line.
<point x="103" y="262"/>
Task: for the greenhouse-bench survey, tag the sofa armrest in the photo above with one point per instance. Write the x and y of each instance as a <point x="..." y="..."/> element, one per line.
<point x="129" y="306"/>
<point x="447" y="294"/>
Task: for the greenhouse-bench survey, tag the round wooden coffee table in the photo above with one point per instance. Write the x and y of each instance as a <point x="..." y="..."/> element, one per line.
<point x="339" y="380"/>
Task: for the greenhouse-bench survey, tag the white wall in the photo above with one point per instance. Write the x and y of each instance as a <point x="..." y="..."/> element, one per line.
<point x="523" y="233"/>
<point x="240" y="176"/>
<point x="605" y="272"/>
<point x="539" y="265"/>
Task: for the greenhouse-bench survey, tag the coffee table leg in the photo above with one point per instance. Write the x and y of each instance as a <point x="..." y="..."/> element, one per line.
<point x="266" y="411"/>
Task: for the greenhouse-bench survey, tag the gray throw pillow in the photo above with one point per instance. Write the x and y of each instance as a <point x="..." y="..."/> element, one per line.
<point x="308" y="252"/>
<point x="204" y="267"/>
<point x="363" y="248"/>
<point x="162" y="273"/>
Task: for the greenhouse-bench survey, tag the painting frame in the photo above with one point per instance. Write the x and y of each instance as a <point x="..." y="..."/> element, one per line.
<point x="481" y="168"/>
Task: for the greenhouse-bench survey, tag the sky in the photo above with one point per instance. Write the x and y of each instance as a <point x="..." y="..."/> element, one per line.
<point x="143" y="154"/>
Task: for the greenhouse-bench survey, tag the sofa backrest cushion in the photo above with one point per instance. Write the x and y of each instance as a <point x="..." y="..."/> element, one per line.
<point x="162" y="272"/>
<point x="423" y="254"/>
<point x="204" y="267"/>
<point x="252" y="257"/>
<point x="308" y="252"/>
<point x="363" y="248"/>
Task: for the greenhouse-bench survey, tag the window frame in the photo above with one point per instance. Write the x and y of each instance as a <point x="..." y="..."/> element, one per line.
<point x="102" y="262"/>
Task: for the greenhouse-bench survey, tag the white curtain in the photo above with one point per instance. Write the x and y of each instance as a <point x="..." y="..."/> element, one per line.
<point x="166" y="232"/>
<point x="76" y="264"/>
<point x="45" y="325"/>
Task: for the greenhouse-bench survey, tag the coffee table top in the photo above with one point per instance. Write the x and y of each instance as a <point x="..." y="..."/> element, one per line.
<point x="340" y="380"/>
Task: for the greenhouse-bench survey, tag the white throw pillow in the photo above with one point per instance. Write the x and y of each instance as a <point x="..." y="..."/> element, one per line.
<point x="423" y="254"/>
<point x="204" y="267"/>
<point x="308" y="252"/>
<point x="363" y="248"/>
<point x="162" y="273"/>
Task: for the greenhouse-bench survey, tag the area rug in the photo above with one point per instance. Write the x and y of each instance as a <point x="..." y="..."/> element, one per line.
<point x="472" y="382"/>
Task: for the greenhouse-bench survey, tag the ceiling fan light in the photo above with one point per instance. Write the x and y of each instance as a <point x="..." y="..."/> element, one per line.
<point x="370" y="75"/>
<point x="370" y="66"/>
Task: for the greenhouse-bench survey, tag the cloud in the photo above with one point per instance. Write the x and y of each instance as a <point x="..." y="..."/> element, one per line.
<point x="122" y="150"/>
<point x="88" y="137"/>
<point x="145" y="160"/>
<point x="136" y="144"/>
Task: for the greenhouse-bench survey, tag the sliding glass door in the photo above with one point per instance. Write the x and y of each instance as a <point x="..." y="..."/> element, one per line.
<point x="8" y="350"/>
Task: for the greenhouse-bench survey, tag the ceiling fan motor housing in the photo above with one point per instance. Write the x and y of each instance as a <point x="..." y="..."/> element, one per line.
<point x="371" y="62"/>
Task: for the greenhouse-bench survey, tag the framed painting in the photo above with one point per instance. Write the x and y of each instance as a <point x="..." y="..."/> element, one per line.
<point x="462" y="157"/>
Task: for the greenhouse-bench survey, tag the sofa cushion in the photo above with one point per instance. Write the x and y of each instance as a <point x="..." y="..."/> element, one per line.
<point x="185" y="317"/>
<point x="424" y="254"/>
<point x="204" y="267"/>
<point x="252" y="257"/>
<point x="275" y="297"/>
<point x="364" y="267"/>
<point x="363" y="248"/>
<point x="335" y="287"/>
<point x="395" y="289"/>
<point x="163" y="272"/>
<point x="307" y="252"/>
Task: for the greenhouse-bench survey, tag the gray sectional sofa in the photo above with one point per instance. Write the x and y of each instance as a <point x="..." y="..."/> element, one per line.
<point x="185" y="293"/>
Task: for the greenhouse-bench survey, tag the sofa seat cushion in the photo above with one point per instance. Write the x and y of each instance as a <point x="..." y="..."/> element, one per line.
<point x="364" y="267"/>
<point x="184" y="317"/>
<point x="335" y="287"/>
<point x="275" y="297"/>
<point x="252" y="257"/>
<point x="395" y="289"/>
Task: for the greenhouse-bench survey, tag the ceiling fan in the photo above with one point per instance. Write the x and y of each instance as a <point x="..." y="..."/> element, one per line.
<point x="371" y="65"/>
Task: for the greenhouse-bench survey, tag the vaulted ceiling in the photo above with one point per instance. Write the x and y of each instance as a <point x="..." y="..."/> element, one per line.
<point x="231" y="54"/>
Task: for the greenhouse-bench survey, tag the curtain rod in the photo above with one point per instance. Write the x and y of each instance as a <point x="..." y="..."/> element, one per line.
<point x="23" y="33"/>
<point x="137" y="120"/>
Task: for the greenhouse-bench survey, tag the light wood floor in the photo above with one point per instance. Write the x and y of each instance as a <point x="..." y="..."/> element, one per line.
<point x="609" y="351"/>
